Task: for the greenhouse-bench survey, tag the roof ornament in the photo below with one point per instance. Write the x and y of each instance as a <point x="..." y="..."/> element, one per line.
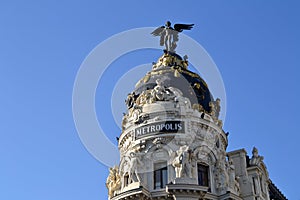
<point x="169" y="35"/>
<point x="256" y="159"/>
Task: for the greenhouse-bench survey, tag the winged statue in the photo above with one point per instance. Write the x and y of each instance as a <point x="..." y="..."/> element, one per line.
<point x="169" y="35"/>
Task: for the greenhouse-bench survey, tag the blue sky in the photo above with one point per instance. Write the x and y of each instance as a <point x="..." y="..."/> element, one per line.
<point x="255" y="45"/>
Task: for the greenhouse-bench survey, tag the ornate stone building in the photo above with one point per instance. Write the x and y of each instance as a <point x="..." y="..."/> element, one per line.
<point x="172" y="144"/>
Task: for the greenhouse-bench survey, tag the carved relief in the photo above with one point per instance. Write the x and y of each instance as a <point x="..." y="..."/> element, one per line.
<point x="168" y="59"/>
<point x="199" y="133"/>
<point x="136" y="115"/>
<point x="159" y="142"/>
<point x="210" y="139"/>
<point x="146" y="97"/>
<point x="205" y="155"/>
<point x="159" y="93"/>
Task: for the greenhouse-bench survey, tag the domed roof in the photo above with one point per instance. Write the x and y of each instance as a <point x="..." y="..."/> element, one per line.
<point x="171" y="71"/>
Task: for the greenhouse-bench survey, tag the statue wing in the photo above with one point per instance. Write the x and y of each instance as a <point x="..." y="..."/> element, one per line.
<point x="158" y="31"/>
<point x="181" y="27"/>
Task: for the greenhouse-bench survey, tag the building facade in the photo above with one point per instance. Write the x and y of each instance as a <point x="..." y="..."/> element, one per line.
<point x="172" y="144"/>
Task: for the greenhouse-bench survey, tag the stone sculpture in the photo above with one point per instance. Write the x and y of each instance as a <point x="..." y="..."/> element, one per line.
<point x="256" y="159"/>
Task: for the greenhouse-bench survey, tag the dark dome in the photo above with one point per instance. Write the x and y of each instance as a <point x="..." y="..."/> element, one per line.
<point x="172" y="70"/>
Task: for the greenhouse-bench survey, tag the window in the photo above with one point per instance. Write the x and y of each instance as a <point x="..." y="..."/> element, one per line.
<point x="126" y="179"/>
<point x="218" y="142"/>
<point x="202" y="175"/>
<point x="160" y="175"/>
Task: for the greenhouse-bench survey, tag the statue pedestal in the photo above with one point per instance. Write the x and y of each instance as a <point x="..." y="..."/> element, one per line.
<point x="192" y="181"/>
<point x="131" y="186"/>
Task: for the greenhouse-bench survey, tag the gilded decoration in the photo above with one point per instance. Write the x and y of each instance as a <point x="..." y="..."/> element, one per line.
<point x="113" y="181"/>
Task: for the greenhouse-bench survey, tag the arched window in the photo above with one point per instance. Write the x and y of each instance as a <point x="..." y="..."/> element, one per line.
<point x="203" y="172"/>
<point x="126" y="179"/>
<point x="160" y="175"/>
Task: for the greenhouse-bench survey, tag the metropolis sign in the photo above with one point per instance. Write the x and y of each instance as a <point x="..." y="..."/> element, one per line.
<point x="159" y="127"/>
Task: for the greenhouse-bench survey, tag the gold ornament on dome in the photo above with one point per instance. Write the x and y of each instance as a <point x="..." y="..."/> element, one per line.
<point x="113" y="181"/>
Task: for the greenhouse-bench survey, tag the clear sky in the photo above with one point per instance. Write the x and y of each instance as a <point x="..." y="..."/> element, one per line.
<point x="255" y="45"/>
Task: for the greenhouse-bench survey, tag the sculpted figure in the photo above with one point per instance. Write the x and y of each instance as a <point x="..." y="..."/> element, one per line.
<point x="215" y="108"/>
<point x="175" y="91"/>
<point x="113" y="181"/>
<point x="177" y="164"/>
<point x="231" y="172"/>
<point x="130" y="101"/>
<point x="124" y="121"/>
<point x="221" y="178"/>
<point x="189" y="163"/>
<point x="233" y="179"/>
<point x="169" y="35"/>
<point x="185" y="62"/>
<point x="237" y="185"/>
<point x="184" y="162"/>
<point x="135" y="163"/>
<point x="159" y="91"/>
<point x="221" y="173"/>
<point x="256" y="159"/>
<point x="129" y="170"/>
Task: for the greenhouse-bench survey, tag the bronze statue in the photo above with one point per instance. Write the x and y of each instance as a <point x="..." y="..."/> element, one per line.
<point x="169" y="35"/>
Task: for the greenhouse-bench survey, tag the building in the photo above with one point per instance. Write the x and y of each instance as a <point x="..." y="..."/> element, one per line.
<point x="172" y="144"/>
